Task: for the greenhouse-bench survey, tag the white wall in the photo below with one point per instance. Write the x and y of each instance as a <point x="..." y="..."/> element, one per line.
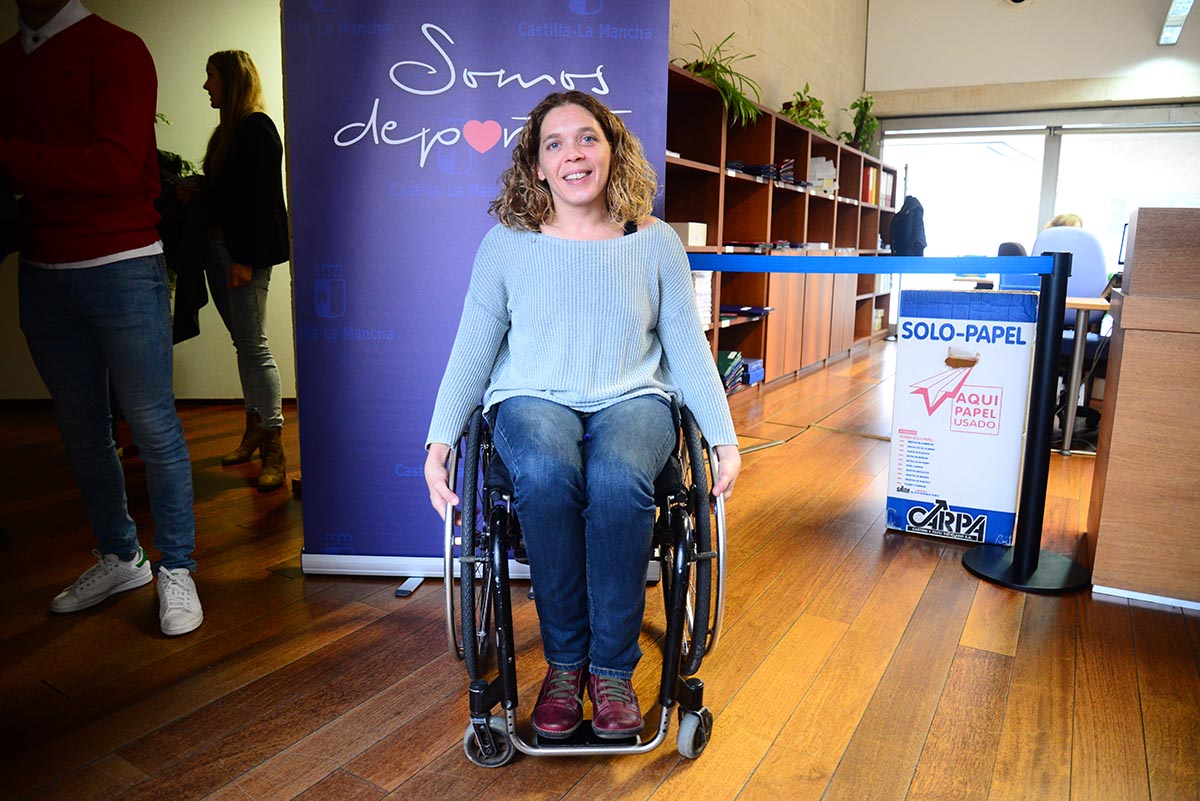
<point x="821" y="42"/>
<point x="951" y="56"/>
<point x="180" y="35"/>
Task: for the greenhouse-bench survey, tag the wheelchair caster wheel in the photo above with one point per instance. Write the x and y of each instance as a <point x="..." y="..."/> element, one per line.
<point x="695" y="729"/>
<point x="504" y="747"/>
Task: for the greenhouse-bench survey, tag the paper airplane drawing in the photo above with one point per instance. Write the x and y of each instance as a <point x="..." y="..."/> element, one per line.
<point x="939" y="388"/>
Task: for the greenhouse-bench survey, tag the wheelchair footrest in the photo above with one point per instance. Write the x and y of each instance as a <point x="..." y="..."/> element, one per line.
<point x="584" y="736"/>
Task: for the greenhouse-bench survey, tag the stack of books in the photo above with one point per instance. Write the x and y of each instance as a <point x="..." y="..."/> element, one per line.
<point x="758" y="170"/>
<point x="702" y="283"/>
<point x="746" y="311"/>
<point x="786" y="171"/>
<point x="822" y="174"/>
<point x="732" y="368"/>
<point x="870" y="185"/>
<point x="887" y="186"/>
<point x="754" y="371"/>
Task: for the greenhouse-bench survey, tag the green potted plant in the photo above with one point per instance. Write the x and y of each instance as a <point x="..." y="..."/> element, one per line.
<point x="806" y="110"/>
<point x="865" y="125"/>
<point x="716" y="64"/>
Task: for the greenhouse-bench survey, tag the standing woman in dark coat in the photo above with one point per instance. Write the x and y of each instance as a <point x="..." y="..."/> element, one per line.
<point x="249" y="234"/>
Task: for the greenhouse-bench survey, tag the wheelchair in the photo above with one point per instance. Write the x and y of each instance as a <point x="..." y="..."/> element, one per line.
<point x="687" y="551"/>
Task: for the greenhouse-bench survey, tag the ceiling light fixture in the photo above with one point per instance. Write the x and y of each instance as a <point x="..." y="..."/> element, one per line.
<point x="1173" y="24"/>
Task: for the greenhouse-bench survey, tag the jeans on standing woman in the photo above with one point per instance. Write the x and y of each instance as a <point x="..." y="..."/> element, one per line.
<point x="584" y="493"/>
<point x="247" y="323"/>
<point x="85" y="328"/>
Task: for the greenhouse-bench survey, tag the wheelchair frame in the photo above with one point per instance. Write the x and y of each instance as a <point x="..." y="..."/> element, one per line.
<point x="688" y="542"/>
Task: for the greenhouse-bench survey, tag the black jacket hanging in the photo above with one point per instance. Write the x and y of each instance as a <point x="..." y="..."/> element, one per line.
<point x="908" y="229"/>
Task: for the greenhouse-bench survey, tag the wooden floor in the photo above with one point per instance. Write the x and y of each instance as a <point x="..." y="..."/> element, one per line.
<point x="856" y="663"/>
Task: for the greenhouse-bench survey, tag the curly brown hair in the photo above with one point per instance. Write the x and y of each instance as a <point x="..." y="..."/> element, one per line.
<point x="524" y="202"/>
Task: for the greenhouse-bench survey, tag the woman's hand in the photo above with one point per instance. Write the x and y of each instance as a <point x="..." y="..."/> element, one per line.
<point x="437" y="477"/>
<point x="728" y="467"/>
<point x="239" y="275"/>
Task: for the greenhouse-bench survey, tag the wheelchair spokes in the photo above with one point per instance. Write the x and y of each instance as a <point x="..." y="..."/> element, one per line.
<point x="699" y="596"/>
<point x="469" y="612"/>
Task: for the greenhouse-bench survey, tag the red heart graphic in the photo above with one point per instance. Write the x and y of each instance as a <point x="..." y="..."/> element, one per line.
<point x="482" y="136"/>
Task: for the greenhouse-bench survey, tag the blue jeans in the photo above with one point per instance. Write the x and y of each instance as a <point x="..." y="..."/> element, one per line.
<point x="584" y="494"/>
<point x="247" y="323"/>
<point x="86" y="328"/>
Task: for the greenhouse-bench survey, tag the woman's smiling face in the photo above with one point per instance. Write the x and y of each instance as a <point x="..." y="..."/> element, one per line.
<point x="574" y="158"/>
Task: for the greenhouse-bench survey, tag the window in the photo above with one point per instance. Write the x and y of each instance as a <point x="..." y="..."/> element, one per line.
<point x="992" y="178"/>
<point x="977" y="191"/>
<point x="1103" y="177"/>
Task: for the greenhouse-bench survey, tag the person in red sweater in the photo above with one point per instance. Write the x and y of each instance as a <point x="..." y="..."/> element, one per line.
<point x="77" y="144"/>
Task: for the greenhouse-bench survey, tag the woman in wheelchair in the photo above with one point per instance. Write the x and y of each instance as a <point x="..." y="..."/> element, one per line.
<point x="578" y="328"/>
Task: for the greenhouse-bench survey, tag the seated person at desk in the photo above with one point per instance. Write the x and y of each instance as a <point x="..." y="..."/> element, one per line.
<point x="1064" y="221"/>
<point x="1088" y="281"/>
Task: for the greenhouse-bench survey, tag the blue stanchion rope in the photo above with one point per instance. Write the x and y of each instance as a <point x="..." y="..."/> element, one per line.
<point x="967" y="265"/>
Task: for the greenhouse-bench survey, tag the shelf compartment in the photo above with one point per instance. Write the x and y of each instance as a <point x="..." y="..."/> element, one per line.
<point x="748" y="337"/>
<point x="747" y="208"/>
<point x="822" y="220"/>
<point x="693" y="195"/>
<point x="850" y="168"/>
<point x="846" y="232"/>
<point x="868" y="228"/>
<point x="789" y="209"/>
<point x="695" y="118"/>
<point x="753" y="143"/>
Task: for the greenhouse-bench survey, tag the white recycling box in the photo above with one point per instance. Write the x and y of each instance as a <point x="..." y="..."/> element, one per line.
<point x="963" y="367"/>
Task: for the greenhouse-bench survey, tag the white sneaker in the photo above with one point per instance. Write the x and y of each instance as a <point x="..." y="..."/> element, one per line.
<point x="178" y="604"/>
<point x="108" y="576"/>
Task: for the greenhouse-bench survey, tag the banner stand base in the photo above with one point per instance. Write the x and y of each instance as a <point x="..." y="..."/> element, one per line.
<point x="411" y="568"/>
<point x="409" y="586"/>
<point x="407" y="567"/>
<point x="1055" y="573"/>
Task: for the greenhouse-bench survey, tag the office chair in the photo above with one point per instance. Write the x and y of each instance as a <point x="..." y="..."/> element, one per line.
<point x="1089" y="278"/>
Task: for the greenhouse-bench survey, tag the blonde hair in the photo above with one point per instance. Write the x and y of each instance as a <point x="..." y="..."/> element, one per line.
<point x="525" y="203"/>
<point x="241" y="95"/>
<point x="1066" y="220"/>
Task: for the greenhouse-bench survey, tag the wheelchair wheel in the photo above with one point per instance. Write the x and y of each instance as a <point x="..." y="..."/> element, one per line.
<point x="699" y="592"/>
<point x="504" y="747"/>
<point x="695" y="730"/>
<point x="475" y="577"/>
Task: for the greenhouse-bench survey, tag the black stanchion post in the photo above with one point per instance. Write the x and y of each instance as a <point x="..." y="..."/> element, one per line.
<point x="1025" y="566"/>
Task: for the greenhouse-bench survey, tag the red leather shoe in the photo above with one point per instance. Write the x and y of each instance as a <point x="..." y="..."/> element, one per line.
<point x="559" y="708"/>
<point x="615" y="707"/>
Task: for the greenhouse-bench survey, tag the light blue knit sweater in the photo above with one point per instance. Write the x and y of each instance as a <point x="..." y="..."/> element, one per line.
<point x="585" y="324"/>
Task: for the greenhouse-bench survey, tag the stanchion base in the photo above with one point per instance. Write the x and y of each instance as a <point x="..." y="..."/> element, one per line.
<point x="1055" y="573"/>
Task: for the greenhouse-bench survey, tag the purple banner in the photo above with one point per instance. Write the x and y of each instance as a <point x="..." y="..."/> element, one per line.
<point x="400" y="120"/>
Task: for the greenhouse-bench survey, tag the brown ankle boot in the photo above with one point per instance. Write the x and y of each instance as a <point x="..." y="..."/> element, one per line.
<point x="250" y="441"/>
<point x="274" y="465"/>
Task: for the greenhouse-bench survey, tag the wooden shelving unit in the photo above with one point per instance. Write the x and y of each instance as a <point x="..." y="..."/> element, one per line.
<point x="816" y="317"/>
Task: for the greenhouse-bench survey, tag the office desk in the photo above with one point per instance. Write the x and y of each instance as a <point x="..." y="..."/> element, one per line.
<point x="1081" y="326"/>
<point x="1145" y="498"/>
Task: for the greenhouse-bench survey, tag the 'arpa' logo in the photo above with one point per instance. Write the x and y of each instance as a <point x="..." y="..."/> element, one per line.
<point x="943" y="522"/>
